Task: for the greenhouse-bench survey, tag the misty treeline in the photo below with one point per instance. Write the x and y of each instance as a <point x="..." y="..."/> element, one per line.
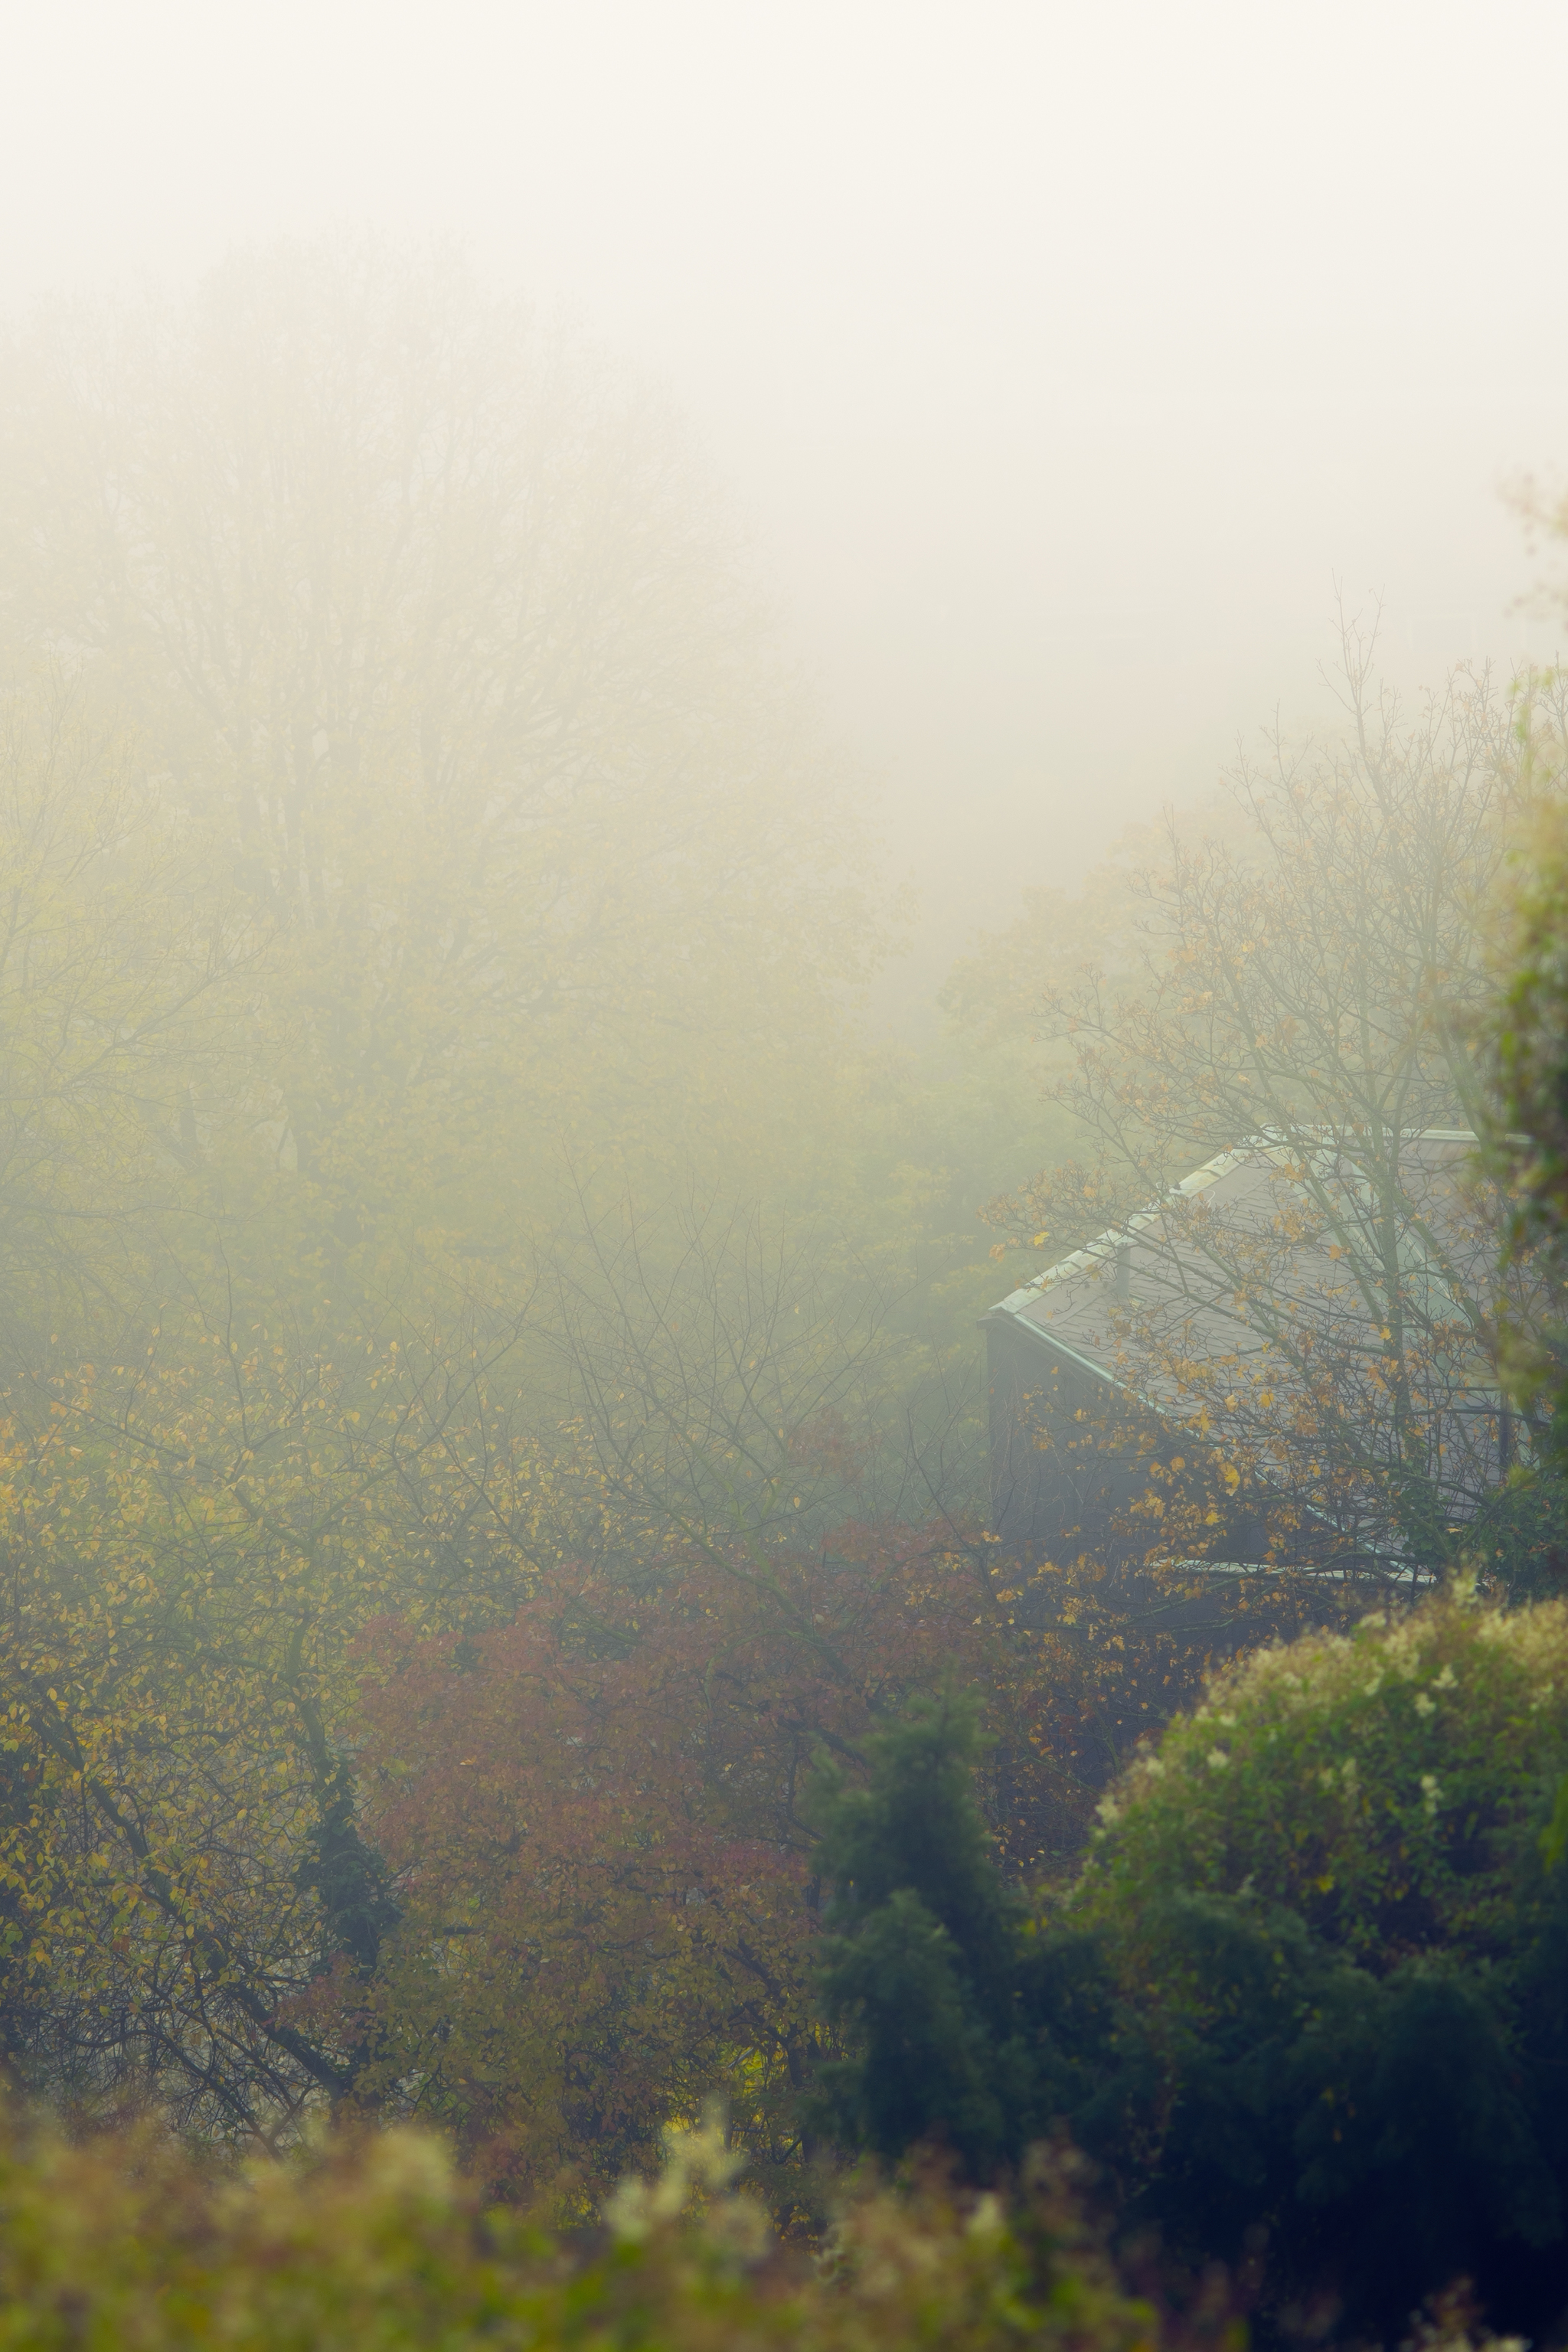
<point x="491" y="1401"/>
<point x="447" y="1199"/>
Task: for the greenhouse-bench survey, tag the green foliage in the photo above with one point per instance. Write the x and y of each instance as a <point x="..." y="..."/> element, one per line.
<point x="1312" y="1980"/>
<point x="122" y="2244"/>
<point x="1374" y="2128"/>
<point x="1525" y="1039"/>
<point x="1341" y="1957"/>
<point x="927" y="1963"/>
<point x="1387" y="1786"/>
<point x="920" y="1944"/>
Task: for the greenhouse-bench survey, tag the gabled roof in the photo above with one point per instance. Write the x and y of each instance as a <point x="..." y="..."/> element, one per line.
<point x="1169" y="1272"/>
<point x="1163" y="1273"/>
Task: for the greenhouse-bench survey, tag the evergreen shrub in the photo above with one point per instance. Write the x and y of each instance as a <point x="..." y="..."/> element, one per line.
<point x="1308" y="1993"/>
<point x="1333" y="1906"/>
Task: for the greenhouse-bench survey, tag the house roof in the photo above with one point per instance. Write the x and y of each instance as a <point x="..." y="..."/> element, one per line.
<point x="1156" y="1262"/>
<point x="1307" y="1212"/>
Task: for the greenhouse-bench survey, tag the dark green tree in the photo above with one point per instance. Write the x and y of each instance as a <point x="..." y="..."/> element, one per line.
<point x="1375" y="2132"/>
<point x="1310" y="1991"/>
<point x="1337" y="1925"/>
<point x="960" y="2018"/>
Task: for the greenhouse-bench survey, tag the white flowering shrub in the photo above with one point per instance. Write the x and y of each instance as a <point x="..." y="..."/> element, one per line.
<point x="1309" y="1991"/>
<point x="1331" y="1914"/>
<point x="1389" y="1788"/>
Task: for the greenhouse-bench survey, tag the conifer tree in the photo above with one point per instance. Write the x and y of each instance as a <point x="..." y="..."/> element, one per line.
<point x="956" y="2009"/>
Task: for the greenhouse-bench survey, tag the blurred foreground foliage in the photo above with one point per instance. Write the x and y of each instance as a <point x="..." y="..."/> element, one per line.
<point x="122" y="2243"/>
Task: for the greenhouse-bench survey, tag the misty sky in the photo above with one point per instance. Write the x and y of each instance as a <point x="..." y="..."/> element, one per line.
<point x="1062" y="357"/>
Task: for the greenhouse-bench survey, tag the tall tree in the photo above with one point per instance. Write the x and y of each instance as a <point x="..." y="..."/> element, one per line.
<point x="427" y="611"/>
<point x="124" y="956"/>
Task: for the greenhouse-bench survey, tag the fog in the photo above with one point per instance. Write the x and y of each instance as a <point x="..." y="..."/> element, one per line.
<point x="1061" y="363"/>
<point x="518" y="529"/>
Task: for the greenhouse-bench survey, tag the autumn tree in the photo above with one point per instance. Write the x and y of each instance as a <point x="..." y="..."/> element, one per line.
<point x="419" y="867"/>
<point x="196" y="1902"/>
<point x="399" y="804"/>
<point x="191" y="1544"/>
<point x="595" y="1811"/>
<point x="606" y="1850"/>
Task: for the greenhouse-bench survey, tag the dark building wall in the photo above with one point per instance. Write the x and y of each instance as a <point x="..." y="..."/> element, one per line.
<point x="1069" y="1458"/>
<point x="1063" y="1452"/>
<point x="1071" y="1455"/>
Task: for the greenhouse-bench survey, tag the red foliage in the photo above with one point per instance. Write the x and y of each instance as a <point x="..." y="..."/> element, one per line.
<point x="599" y="1818"/>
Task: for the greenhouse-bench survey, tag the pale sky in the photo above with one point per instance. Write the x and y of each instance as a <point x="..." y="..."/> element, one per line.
<point x="1062" y="358"/>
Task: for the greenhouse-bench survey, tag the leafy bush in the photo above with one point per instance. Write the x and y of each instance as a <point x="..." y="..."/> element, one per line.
<point x="122" y="2244"/>
<point x="1312" y="1982"/>
<point x="1340" y="1962"/>
<point x="1388" y="1787"/>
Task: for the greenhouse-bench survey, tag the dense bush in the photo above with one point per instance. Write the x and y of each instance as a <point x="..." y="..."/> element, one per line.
<point x="1341" y="1960"/>
<point x="1312" y="1982"/>
<point x="122" y="2244"/>
<point x="1388" y="1785"/>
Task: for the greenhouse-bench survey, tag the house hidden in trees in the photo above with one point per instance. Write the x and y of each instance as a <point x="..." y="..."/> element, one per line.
<point x="1272" y="1238"/>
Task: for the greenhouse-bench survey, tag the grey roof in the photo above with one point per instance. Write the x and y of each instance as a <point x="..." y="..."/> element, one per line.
<point x="1157" y="1265"/>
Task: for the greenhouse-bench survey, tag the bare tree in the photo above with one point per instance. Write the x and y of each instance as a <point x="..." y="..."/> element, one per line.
<point x="1306" y="1001"/>
<point x="124" y="955"/>
<point x="744" y="1386"/>
<point x="431" y="612"/>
